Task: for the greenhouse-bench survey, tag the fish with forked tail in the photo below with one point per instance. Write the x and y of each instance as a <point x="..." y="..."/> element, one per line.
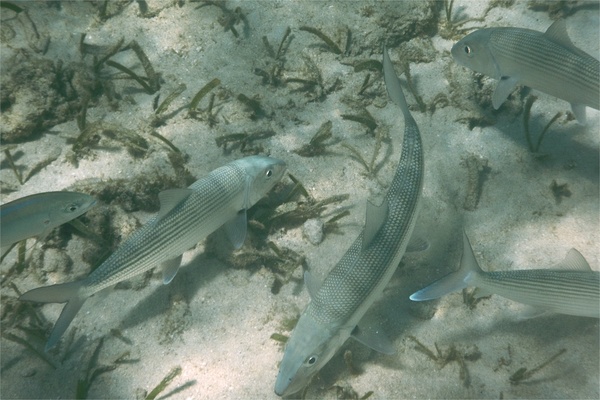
<point x="570" y="288"/>
<point x="545" y="61"/>
<point x="186" y="216"/>
<point x="339" y="303"/>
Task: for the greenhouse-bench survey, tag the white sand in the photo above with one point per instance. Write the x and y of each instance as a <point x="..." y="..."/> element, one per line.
<point x="225" y="350"/>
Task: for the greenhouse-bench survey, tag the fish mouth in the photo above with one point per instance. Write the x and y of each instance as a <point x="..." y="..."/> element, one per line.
<point x="285" y="387"/>
<point x="288" y="383"/>
<point x="281" y="386"/>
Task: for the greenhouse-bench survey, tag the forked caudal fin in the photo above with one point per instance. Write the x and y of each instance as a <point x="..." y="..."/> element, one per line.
<point x="455" y="281"/>
<point x="62" y="293"/>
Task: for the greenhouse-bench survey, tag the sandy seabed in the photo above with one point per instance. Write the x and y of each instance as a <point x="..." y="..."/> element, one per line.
<point x="214" y="321"/>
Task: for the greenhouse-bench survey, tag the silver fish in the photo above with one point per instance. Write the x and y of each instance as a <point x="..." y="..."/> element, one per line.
<point x="546" y="61"/>
<point x="339" y="303"/>
<point x="186" y="217"/>
<point x="38" y="214"/>
<point x="571" y="288"/>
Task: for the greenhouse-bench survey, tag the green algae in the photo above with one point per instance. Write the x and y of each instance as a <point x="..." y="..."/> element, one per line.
<point x="174" y="373"/>
<point x="523" y="373"/>
<point x="316" y="146"/>
<point x="331" y="45"/>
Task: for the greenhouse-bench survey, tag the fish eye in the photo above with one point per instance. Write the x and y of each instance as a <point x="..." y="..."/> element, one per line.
<point x="72" y="207"/>
<point x="311" y="360"/>
<point x="269" y="173"/>
<point x="467" y="50"/>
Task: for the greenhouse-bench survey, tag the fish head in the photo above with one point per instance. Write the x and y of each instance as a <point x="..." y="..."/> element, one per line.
<point x="70" y="205"/>
<point x="309" y="348"/>
<point x="474" y="52"/>
<point x="262" y="173"/>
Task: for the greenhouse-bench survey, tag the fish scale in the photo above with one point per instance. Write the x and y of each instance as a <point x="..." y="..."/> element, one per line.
<point x="569" y="75"/>
<point x="360" y="276"/>
<point x="569" y="292"/>
<point x="161" y="239"/>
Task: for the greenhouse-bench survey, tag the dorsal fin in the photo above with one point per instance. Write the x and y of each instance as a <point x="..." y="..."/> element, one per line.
<point x="376" y="216"/>
<point x="574" y="261"/>
<point x="170" y="198"/>
<point x="557" y="32"/>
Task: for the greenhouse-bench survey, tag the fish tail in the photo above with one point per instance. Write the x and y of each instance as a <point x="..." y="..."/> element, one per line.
<point x="69" y="293"/>
<point x="466" y="275"/>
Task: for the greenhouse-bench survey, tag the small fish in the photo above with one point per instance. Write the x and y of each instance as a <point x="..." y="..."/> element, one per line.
<point x="545" y="61"/>
<point x="572" y="288"/>
<point x="186" y="216"/>
<point x="38" y="214"/>
<point x="338" y="304"/>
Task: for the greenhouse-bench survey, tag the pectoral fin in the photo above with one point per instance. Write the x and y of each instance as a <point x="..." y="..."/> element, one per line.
<point x="46" y="231"/>
<point x="170" y="268"/>
<point x="374" y="338"/>
<point x="236" y="229"/>
<point x="505" y="87"/>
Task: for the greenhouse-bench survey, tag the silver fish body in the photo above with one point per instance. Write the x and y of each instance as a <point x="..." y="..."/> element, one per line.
<point x="186" y="217"/>
<point x="545" y="61"/>
<point x="571" y="288"/>
<point x="351" y="287"/>
<point x="38" y="214"/>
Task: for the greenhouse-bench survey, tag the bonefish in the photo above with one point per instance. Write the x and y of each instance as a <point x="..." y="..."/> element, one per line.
<point x="339" y="303"/>
<point x="38" y="214"/>
<point x="570" y="288"/>
<point x="545" y="61"/>
<point x="186" y="216"/>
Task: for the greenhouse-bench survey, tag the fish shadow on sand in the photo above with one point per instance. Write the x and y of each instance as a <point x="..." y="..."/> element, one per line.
<point x="200" y="271"/>
<point x="559" y="146"/>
